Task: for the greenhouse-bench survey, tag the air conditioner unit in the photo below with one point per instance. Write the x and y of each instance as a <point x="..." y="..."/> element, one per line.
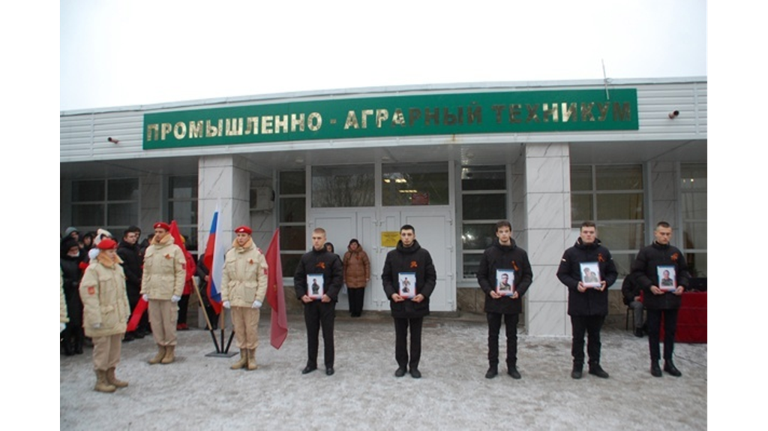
<point x="265" y="199"/>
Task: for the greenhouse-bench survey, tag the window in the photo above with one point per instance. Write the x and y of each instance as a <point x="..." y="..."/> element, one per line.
<point x="343" y="186"/>
<point x="611" y="196"/>
<point x="109" y="204"/>
<point x="182" y="207"/>
<point x="417" y="184"/>
<point x="292" y="219"/>
<point x="693" y="178"/>
<point x="484" y="202"/>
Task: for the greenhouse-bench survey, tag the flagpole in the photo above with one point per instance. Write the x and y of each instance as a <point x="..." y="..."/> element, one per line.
<point x="205" y="313"/>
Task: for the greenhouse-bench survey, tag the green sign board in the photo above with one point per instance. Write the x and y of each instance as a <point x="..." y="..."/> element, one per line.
<point x="393" y="116"/>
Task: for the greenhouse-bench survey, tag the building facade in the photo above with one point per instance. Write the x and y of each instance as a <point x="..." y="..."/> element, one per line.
<point x="450" y="160"/>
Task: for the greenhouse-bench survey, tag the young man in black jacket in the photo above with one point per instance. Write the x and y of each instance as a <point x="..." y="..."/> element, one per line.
<point x="408" y="261"/>
<point x="587" y="302"/>
<point x="128" y="250"/>
<point x="324" y="267"/>
<point x="503" y="257"/>
<point x="661" y="302"/>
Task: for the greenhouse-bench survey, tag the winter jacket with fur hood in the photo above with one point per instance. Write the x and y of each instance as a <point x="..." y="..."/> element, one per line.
<point x="165" y="270"/>
<point x="244" y="277"/>
<point x="105" y="303"/>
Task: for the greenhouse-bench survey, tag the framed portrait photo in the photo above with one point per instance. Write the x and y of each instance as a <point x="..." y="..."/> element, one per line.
<point x="667" y="278"/>
<point x="315" y="286"/>
<point x="505" y="282"/>
<point x="406" y="284"/>
<point x="590" y="275"/>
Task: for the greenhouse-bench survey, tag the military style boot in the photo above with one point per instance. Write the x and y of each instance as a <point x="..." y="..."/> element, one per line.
<point x="242" y="362"/>
<point x="252" y="359"/>
<point x="159" y="357"/>
<point x="112" y="380"/>
<point x="101" y="383"/>
<point x="169" y="355"/>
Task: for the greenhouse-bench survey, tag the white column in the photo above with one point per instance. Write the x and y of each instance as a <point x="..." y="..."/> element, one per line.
<point x="222" y="180"/>
<point x="548" y="234"/>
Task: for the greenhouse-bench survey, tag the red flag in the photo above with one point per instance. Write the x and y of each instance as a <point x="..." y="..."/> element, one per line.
<point x="141" y="307"/>
<point x="213" y="259"/>
<point x="189" y="264"/>
<point x="275" y="295"/>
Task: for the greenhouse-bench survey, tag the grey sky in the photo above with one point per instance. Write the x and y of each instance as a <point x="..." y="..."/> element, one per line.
<point x="145" y="52"/>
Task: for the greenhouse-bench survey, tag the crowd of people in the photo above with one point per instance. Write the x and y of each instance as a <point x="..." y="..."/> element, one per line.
<point x="103" y="281"/>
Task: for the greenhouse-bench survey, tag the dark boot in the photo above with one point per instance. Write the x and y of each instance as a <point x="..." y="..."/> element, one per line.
<point x="596" y="370"/>
<point x="492" y="372"/>
<point x="66" y="346"/>
<point x="671" y="369"/>
<point x="655" y="370"/>
<point x="577" y="371"/>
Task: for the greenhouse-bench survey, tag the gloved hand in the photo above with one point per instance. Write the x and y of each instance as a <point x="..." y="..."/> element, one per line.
<point x="145" y="297"/>
<point x="96" y="326"/>
<point x="226" y="305"/>
<point x="256" y="304"/>
<point x="175" y="298"/>
<point x="62" y="327"/>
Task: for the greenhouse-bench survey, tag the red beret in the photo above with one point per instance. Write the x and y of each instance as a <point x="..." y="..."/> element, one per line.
<point x="244" y="229"/>
<point x="107" y="244"/>
<point x="162" y="225"/>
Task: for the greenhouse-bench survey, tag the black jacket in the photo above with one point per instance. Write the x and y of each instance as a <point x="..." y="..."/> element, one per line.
<point x="645" y="268"/>
<point x="70" y="268"/>
<point x="409" y="259"/>
<point x="512" y="257"/>
<point x="630" y="289"/>
<point x="319" y="262"/>
<point x="131" y="266"/>
<point x="591" y="302"/>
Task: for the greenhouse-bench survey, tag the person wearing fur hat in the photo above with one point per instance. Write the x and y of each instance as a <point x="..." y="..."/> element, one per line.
<point x="162" y="283"/>
<point x="357" y="273"/>
<point x="106" y="313"/>
<point x="69" y="260"/>
<point x="243" y="287"/>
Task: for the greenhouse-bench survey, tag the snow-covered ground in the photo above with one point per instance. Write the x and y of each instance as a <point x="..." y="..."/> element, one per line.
<point x="200" y="392"/>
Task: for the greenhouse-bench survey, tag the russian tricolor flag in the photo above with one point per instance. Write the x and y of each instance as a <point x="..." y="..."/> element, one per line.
<point x="214" y="260"/>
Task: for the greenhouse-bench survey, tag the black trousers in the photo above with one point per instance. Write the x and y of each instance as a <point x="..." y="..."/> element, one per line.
<point x="494" y="327"/>
<point x="591" y="326"/>
<point x="318" y="314"/>
<point x="654" y="329"/>
<point x="183" y="308"/>
<point x="401" y="340"/>
<point x="356" y="297"/>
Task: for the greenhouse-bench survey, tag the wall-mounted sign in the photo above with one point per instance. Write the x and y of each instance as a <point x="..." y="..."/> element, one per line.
<point x="375" y="117"/>
<point x="390" y="238"/>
